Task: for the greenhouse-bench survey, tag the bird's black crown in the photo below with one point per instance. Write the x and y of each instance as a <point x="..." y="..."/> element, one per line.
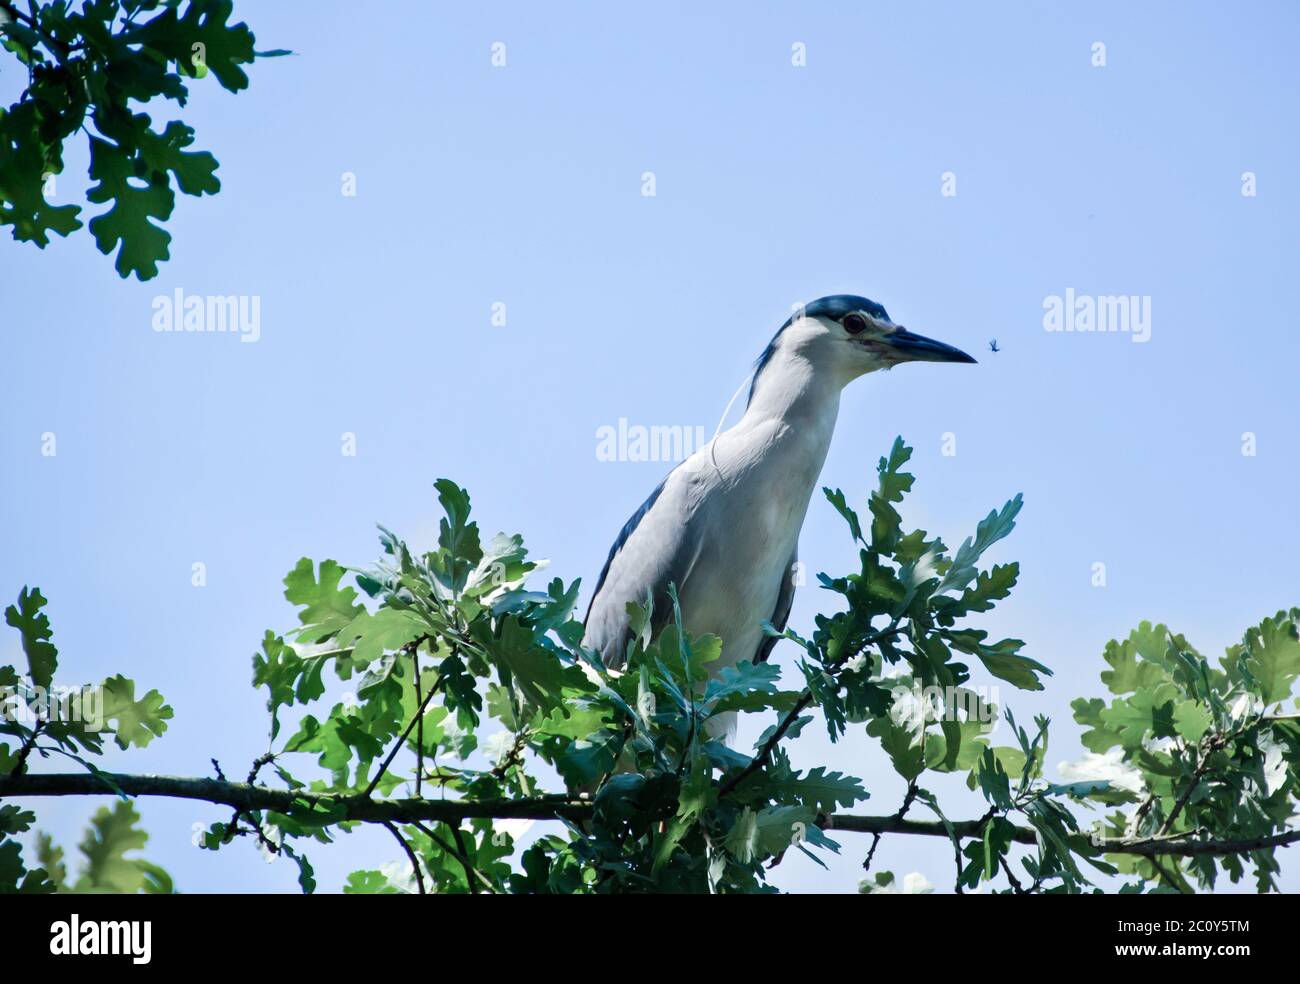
<point x="833" y="307"/>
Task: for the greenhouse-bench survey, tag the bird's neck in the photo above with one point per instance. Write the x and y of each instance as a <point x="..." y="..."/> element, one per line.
<point x="795" y="402"/>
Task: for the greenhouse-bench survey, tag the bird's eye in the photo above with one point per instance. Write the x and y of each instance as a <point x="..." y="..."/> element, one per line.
<point x="854" y="324"/>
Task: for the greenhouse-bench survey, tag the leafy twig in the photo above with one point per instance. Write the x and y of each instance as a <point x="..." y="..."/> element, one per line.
<point x="401" y="742"/>
<point x="471" y="872"/>
<point x="20" y="762"/>
<point x="908" y="799"/>
<point x="415" y="862"/>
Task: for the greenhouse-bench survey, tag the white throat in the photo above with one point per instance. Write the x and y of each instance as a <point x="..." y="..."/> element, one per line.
<point x="792" y="415"/>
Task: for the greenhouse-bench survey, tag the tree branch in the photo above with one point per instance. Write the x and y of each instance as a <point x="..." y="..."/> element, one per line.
<point x="20" y="763"/>
<point x="419" y="718"/>
<point x="410" y="854"/>
<point x="549" y="807"/>
<point x="401" y="742"/>
<point x="760" y="760"/>
<point x="356" y="806"/>
<point x="1203" y="766"/>
<point x="908" y="799"/>
<point x="471" y="872"/>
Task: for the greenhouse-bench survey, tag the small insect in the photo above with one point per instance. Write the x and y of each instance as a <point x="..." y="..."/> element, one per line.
<point x="993" y="345"/>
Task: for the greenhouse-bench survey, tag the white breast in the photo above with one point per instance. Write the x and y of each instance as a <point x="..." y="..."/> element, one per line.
<point x="754" y="484"/>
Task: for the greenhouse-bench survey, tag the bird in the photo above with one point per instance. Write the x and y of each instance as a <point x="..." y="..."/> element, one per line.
<point x="993" y="345"/>
<point x="723" y="526"/>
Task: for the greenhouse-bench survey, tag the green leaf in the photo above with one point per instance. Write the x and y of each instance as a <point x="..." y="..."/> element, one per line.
<point x="458" y="539"/>
<point x="826" y="694"/>
<point x="1272" y="655"/>
<point x="820" y="790"/>
<point x="223" y="47"/>
<point x="990" y="530"/>
<point x="1004" y="662"/>
<point x="113" y="833"/>
<point x="503" y="563"/>
<point x="534" y="669"/>
<point x="989" y="587"/>
<point x="369" y="636"/>
<point x="50" y="857"/>
<point x="886" y="524"/>
<point x="24" y="162"/>
<point x="14" y="819"/>
<point x="837" y="499"/>
<point x="1099" y="738"/>
<point x="769" y="831"/>
<point x="902" y="745"/>
<point x="1009" y="760"/>
<point x="698" y="794"/>
<point x="1192" y="720"/>
<point x="93" y="59"/>
<point x="327" y="608"/>
<point x="286" y="675"/>
<point x="672" y="648"/>
<point x="667" y="843"/>
<point x="195" y="171"/>
<point x="961" y="743"/>
<point x="138" y="722"/>
<point x="14" y="875"/>
<point x="1146" y="713"/>
<point x="894" y="484"/>
<point x="573" y="721"/>
<point x="1079" y="790"/>
<point x="1002" y="658"/>
<point x="34" y="626"/>
<point x="586" y="760"/>
<point x="739" y="681"/>
<point x="127" y="223"/>
<point x="369" y="883"/>
<point x="306" y="873"/>
<point x="1130" y="672"/>
<point x="993" y="780"/>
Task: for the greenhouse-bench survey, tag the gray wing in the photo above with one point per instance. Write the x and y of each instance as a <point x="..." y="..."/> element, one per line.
<point x="653" y="549"/>
<point x="784" y="602"/>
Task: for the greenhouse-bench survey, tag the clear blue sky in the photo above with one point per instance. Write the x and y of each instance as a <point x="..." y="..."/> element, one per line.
<point x="775" y="184"/>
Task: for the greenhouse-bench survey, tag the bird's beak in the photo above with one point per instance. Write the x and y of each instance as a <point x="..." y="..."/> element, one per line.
<point x="918" y="348"/>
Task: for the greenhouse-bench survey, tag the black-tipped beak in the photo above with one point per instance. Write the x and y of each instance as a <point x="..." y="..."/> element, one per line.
<point x="918" y="348"/>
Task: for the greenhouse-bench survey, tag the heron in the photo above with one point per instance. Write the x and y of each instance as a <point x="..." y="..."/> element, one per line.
<point x="723" y="526"/>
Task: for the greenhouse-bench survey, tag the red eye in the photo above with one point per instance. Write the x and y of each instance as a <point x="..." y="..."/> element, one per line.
<point x="854" y="324"/>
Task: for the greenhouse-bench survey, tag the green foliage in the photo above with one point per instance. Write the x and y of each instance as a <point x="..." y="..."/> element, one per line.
<point x="439" y="675"/>
<point x="135" y="722"/>
<point x="113" y="833"/>
<point x="85" y="67"/>
<point x="105" y="868"/>
<point x="484" y="688"/>
<point x="1211" y="748"/>
<point x="34" y="625"/>
<point x="45" y="722"/>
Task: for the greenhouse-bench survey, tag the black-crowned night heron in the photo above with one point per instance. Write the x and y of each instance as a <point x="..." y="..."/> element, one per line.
<point x="724" y="525"/>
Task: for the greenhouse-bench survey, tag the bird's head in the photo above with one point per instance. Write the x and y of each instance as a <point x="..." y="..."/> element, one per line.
<point x="844" y="336"/>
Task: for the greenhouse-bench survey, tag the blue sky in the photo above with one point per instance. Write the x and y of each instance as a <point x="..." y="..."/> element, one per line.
<point x="522" y="185"/>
